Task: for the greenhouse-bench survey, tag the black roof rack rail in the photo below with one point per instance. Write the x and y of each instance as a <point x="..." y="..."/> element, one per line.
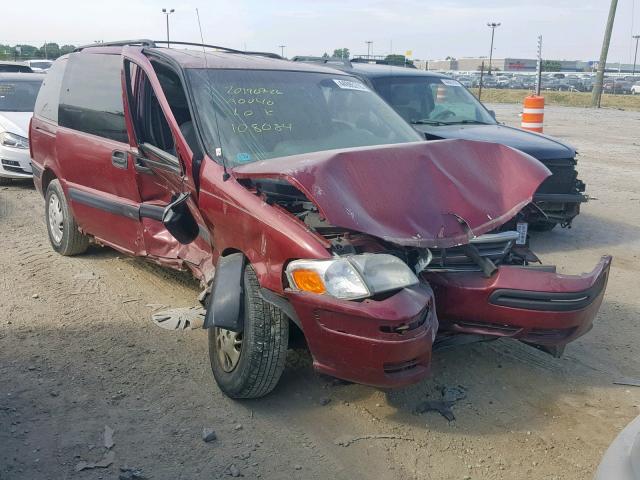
<point x="263" y="54"/>
<point x="154" y="43"/>
<point x="120" y="43"/>
<point x="326" y="60"/>
<point x="193" y="44"/>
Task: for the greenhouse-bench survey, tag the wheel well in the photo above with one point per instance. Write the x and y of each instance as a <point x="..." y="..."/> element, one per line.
<point x="229" y="251"/>
<point x="47" y="177"/>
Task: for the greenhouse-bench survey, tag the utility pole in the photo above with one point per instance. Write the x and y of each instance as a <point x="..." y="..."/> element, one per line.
<point x="369" y="49"/>
<point x="167" y="13"/>
<point x="481" y="80"/>
<point x="602" y="64"/>
<point x="635" y="56"/>
<point x="492" y="26"/>
<point x="539" y="66"/>
<point x="282" y="50"/>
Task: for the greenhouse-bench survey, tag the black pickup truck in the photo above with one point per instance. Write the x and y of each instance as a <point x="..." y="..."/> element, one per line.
<point x="441" y="108"/>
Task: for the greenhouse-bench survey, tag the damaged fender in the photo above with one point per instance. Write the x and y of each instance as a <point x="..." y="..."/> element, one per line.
<point x="225" y="306"/>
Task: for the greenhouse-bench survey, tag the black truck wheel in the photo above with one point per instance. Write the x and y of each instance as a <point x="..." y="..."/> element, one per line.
<point x="249" y="364"/>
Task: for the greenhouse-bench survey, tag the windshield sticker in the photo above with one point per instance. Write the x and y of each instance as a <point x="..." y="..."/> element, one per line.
<point x="350" y="85"/>
<point x="450" y="83"/>
<point x="243" y="157"/>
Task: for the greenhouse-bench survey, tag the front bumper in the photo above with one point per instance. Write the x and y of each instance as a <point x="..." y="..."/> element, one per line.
<point x="535" y="305"/>
<point x="384" y="343"/>
<point x="15" y="163"/>
<point x="559" y="207"/>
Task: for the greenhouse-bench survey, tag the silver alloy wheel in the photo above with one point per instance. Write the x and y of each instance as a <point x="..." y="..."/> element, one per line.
<point x="229" y="347"/>
<point x="56" y="218"/>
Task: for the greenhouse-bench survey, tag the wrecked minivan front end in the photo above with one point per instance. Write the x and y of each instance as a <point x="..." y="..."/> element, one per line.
<point x="428" y="206"/>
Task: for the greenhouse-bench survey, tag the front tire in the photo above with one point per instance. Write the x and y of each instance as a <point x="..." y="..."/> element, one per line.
<point x="249" y="364"/>
<point x="64" y="235"/>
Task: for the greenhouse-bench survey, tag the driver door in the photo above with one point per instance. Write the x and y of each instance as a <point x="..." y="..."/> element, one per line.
<point x="163" y="163"/>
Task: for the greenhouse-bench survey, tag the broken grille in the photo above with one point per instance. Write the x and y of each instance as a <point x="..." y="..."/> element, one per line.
<point x="492" y="246"/>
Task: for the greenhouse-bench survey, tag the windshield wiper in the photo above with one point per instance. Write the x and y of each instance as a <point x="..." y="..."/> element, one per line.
<point x="474" y="122"/>
<point x="427" y="121"/>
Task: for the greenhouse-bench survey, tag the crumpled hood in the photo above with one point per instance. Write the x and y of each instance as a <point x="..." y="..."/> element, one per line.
<point x="15" y="122"/>
<point x="424" y="194"/>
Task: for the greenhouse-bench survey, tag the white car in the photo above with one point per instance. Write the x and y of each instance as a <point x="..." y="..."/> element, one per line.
<point x="40" y="66"/>
<point x="635" y="89"/>
<point x="18" y="92"/>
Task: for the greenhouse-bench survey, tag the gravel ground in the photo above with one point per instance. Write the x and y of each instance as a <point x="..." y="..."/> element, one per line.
<point x="78" y="351"/>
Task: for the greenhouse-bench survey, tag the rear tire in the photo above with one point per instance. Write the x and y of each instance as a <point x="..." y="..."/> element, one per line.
<point x="249" y="364"/>
<point x="64" y="235"/>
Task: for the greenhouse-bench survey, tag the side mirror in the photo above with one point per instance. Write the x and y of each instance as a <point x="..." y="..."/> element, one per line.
<point x="492" y="113"/>
<point x="179" y="221"/>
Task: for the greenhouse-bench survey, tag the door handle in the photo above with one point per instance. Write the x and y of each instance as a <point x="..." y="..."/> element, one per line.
<point x="119" y="159"/>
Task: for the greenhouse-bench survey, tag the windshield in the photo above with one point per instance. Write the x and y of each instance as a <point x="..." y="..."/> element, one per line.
<point x="263" y="114"/>
<point x="18" y="95"/>
<point x="431" y="100"/>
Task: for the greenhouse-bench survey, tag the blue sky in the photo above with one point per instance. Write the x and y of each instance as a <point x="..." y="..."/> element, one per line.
<point x="572" y="29"/>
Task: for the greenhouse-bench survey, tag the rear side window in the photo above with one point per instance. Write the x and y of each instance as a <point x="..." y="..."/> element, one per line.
<point x="49" y="95"/>
<point x="91" y="99"/>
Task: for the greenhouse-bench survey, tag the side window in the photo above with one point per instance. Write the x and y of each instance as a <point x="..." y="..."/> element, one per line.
<point x="174" y="93"/>
<point x="91" y="99"/>
<point x="49" y="95"/>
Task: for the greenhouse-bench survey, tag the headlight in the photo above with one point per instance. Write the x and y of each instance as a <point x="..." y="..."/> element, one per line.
<point x="12" y="140"/>
<point x="352" y="277"/>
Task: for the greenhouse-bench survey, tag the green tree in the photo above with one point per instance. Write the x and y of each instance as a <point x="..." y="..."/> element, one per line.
<point x="397" y="60"/>
<point x="67" y="49"/>
<point x="325" y="55"/>
<point x="341" y="53"/>
<point x="49" y="50"/>
<point x="26" y="52"/>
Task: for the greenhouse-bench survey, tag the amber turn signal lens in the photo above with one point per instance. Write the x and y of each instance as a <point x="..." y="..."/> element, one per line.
<point x="308" y="281"/>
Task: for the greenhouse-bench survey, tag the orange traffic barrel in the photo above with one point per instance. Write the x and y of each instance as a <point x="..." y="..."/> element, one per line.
<point x="441" y="94"/>
<point x="533" y="113"/>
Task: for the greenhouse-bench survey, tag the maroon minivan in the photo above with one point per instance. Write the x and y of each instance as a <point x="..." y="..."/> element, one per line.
<point x="301" y="201"/>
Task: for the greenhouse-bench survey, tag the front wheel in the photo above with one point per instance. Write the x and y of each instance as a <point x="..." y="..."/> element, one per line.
<point x="249" y="364"/>
<point x="64" y="235"/>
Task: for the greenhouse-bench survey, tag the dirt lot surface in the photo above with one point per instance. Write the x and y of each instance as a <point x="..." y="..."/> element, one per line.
<point x="78" y="351"/>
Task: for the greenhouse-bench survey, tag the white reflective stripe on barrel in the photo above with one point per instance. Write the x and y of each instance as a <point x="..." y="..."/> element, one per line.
<point x="533" y="110"/>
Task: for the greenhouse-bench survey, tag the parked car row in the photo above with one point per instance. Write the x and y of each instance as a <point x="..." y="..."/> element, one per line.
<point x="310" y="201"/>
<point x="29" y="66"/>
<point x="578" y="82"/>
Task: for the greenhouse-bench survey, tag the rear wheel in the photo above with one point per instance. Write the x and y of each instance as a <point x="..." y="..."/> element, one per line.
<point x="64" y="235"/>
<point x="249" y="364"/>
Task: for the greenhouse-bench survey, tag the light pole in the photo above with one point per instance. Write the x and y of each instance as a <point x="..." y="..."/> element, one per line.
<point x="282" y="50"/>
<point x="492" y="26"/>
<point x="167" y="13"/>
<point x="369" y="48"/>
<point x="635" y="56"/>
